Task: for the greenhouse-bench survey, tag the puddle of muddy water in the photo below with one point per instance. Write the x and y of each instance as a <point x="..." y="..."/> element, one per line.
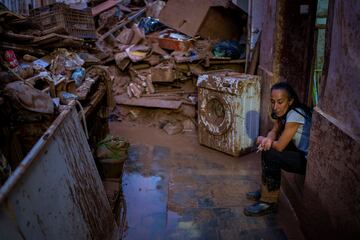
<point x="147" y="213"/>
<point x="146" y="203"/>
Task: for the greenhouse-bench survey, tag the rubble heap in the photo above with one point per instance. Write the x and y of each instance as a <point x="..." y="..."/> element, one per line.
<point x="111" y="52"/>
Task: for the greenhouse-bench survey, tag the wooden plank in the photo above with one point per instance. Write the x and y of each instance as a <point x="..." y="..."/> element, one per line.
<point x="84" y="89"/>
<point x="148" y="102"/>
<point x="54" y="37"/>
<point x="102" y="7"/>
<point x="163" y="93"/>
<point x="8" y="15"/>
<point x="95" y="100"/>
<point x="255" y="58"/>
<point x="122" y="23"/>
<point x="18" y="37"/>
<point x="227" y="61"/>
<point x="23" y="48"/>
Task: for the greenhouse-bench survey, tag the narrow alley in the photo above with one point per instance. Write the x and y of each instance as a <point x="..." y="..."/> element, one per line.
<point x="179" y="119"/>
<point x="175" y="188"/>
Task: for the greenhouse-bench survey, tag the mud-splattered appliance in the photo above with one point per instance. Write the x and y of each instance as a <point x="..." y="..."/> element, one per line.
<point x="229" y="111"/>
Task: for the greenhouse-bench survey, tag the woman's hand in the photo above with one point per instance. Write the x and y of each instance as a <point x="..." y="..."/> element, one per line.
<point x="264" y="143"/>
<point x="259" y="140"/>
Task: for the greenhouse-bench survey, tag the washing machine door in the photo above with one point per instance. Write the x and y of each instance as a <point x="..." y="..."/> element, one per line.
<point x="215" y="113"/>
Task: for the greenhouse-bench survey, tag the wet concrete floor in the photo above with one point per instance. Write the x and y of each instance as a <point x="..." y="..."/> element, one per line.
<point x="175" y="188"/>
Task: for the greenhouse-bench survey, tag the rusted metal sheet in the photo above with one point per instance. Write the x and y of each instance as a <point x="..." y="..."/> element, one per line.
<point x="331" y="191"/>
<point x="229" y="110"/>
<point x="339" y="97"/>
<point x="56" y="192"/>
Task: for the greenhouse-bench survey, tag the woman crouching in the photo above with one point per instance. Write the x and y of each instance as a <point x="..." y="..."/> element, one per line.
<point x="284" y="147"/>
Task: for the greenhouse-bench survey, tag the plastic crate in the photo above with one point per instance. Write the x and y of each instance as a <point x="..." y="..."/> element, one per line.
<point x="60" y="18"/>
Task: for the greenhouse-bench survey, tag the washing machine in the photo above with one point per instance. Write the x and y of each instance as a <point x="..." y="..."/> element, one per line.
<point x="228" y="111"/>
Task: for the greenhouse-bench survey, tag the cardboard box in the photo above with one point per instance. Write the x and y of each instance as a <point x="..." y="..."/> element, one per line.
<point x="207" y="18"/>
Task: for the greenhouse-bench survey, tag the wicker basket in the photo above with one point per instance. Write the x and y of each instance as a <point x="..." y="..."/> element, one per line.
<point x="60" y="18"/>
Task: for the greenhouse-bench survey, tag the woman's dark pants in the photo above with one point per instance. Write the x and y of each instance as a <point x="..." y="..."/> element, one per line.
<point x="272" y="162"/>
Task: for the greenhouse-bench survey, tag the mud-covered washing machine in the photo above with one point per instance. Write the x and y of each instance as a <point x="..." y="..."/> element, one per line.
<point x="229" y="111"/>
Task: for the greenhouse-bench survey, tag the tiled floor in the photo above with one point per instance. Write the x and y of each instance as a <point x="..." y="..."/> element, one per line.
<point x="176" y="189"/>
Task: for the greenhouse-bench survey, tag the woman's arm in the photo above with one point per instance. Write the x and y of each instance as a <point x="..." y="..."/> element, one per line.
<point x="286" y="136"/>
<point x="273" y="132"/>
<point x="265" y="142"/>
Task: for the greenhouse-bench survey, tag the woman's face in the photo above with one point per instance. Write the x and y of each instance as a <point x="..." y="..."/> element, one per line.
<point x="280" y="102"/>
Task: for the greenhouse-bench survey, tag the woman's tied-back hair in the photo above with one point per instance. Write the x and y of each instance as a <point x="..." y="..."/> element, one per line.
<point x="292" y="95"/>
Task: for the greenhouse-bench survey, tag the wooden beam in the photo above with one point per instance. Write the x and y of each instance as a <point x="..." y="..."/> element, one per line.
<point x="122" y="23"/>
<point x="148" y="102"/>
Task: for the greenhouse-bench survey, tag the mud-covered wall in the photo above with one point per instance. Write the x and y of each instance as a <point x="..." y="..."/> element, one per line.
<point x="294" y="46"/>
<point x="326" y="201"/>
<point x="331" y="194"/>
<point x="292" y="63"/>
<point x="286" y="48"/>
<point x="341" y="91"/>
<point x="267" y="35"/>
<point x="265" y="69"/>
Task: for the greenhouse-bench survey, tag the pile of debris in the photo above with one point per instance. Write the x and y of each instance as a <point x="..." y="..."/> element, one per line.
<point x="38" y="80"/>
<point x="133" y="53"/>
<point x="157" y="63"/>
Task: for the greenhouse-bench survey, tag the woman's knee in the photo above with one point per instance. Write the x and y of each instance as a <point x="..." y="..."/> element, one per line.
<point x="270" y="159"/>
<point x="270" y="155"/>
